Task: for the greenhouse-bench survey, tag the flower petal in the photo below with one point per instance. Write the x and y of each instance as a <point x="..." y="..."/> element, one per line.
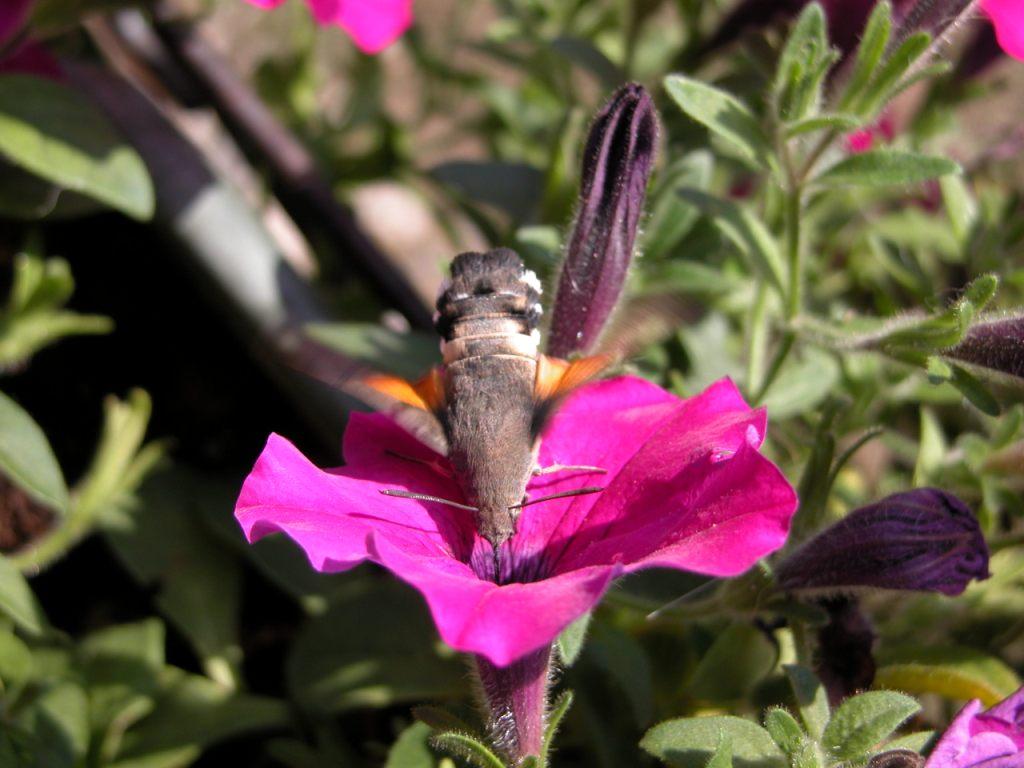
<point x="330" y="513"/>
<point x="602" y="424"/>
<point x="500" y="622"/>
<point x="714" y="517"/>
<point x="373" y="24"/>
<point x="13" y="16"/>
<point x="1008" y="19"/>
<point x="697" y="495"/>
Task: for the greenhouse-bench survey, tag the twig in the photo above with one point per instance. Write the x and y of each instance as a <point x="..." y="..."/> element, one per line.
<point x="303" y="190"/>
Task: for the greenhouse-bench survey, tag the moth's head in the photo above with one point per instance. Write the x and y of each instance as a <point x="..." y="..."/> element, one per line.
<point x="486" y="286"/>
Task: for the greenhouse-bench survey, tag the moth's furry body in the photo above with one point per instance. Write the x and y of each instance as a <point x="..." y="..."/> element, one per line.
<point x="487" y="317"/>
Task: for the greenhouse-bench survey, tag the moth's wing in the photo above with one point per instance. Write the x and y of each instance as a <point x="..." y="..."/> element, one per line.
<point x="645" y="320"/>
<point x="557" y="378"/>
<point x="413" y="405"/>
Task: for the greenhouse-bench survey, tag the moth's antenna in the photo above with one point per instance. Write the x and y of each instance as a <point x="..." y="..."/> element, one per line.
<point x="562" y="495"/>
<point x="425" y="497"/>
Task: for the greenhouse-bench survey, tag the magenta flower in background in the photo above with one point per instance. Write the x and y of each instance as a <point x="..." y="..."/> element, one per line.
<point x="372" y="24"/>
<point x="685" y="488"/>
<point x="990" y="739"/>
<point x="18" y="53"/>
<point x="1008" y="19"/>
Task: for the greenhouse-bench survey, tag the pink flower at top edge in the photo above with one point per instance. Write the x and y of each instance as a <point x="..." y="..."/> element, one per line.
<point x="685" y="488"/>
<point x="372" y="24"/>
<point x="990" y="739"/>
<point x="13" y="15"/>
<point x="24" y="56"/>
<point x="1008" y="19"/>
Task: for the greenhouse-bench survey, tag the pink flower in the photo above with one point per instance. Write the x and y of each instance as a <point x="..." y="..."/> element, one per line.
<point x="990" y="739"/>
<point x="22" y="55"/>
<point x="685" y="488"/>
<point x="13" y="15"/>
<point x="864" y="139"/>
<point x="372" y="24"/>
<point x="1008" y="19"/>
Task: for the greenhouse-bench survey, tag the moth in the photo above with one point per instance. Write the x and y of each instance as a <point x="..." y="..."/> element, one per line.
<point x="486" y="405"/>
<point x="494" y="391"/>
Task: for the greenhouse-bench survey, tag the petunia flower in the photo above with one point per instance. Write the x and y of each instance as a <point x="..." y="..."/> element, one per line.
<point x="684" y="488"/>
<point x="18" y="53"/>
<point x="1008" y="20"/>
<point x="990" y="739"/>
<point x="372" y="24"/>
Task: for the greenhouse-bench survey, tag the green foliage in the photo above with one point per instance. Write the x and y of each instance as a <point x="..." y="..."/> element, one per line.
<point x="34" y="316"/>
<point x="830" y="285"/>
<point x="49" y="129"/>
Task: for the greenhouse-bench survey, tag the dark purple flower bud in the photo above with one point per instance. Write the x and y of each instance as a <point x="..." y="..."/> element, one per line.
<point x="846" y="662"/>
<point x="925" y="539"/>
<point x="995" y="344"/>
<point x="617" y="163"/>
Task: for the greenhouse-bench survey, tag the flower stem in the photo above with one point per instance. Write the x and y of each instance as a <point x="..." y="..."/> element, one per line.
<point x="516" y="698"/>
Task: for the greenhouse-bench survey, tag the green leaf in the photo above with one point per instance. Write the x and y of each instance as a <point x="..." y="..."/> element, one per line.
<point x="884" y="167"/>
<point x="976" y="392"/>
<point x="750" y="236"/>
<point x="570" y="642"/>
<point x="811" y="698"/>
<point x="471" y="750"/>
<point x="863" y="721"/>
<point x="723" y="754"/>
<point x="739" y="659"/>
<point x="412" y="748"/>
<point x="376" y="646"/>
<point x="955" y="672"/>
<point x="166" y="548"/>
<point x="625" y="660"/>
<point x="803" y="384"/>
<point x="192" y="712"/>
<point x="805" y="59"/>
<point x="32" y="318"/>
<point x="51" y="130"/>
<point x="671" y="218"/>
<point x="17" y="600"/>
<point x="961" y="207"/>
<point x="26" y="457"/>
<point x="930" y="453"/>
<point x="916" y="741"/>
<point x="886" y="80"/>
<point x="723" y="114"/>
<point x="555" y="717"/>
<point x="839" y="122"/>
<point x="15" y="665"/>
<point x="687" y="742"/>
<point x="784" y="730"/>
<point x="58" y="721"/>
<point x="869" y="52"/>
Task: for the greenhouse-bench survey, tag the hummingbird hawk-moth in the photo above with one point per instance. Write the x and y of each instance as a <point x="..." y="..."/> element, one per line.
<point x="494" y="390"/>
<point x="486" y="405"/>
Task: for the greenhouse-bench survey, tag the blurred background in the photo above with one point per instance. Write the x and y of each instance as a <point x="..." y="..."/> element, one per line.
<point x="233" y="173"/>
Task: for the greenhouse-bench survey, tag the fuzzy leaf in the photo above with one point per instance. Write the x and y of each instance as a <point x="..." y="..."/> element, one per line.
<point x="686" y="742"/>
<point x="474" y="752"/>
<point x="811" y="698"/>
<point x="955" y="672"/>
<point x="412" y="748"/>
<point x="863" y="721"/>
<point x="884" y="167"/>
<point x="745" y="231"/>
<point x="723" y="114"/>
